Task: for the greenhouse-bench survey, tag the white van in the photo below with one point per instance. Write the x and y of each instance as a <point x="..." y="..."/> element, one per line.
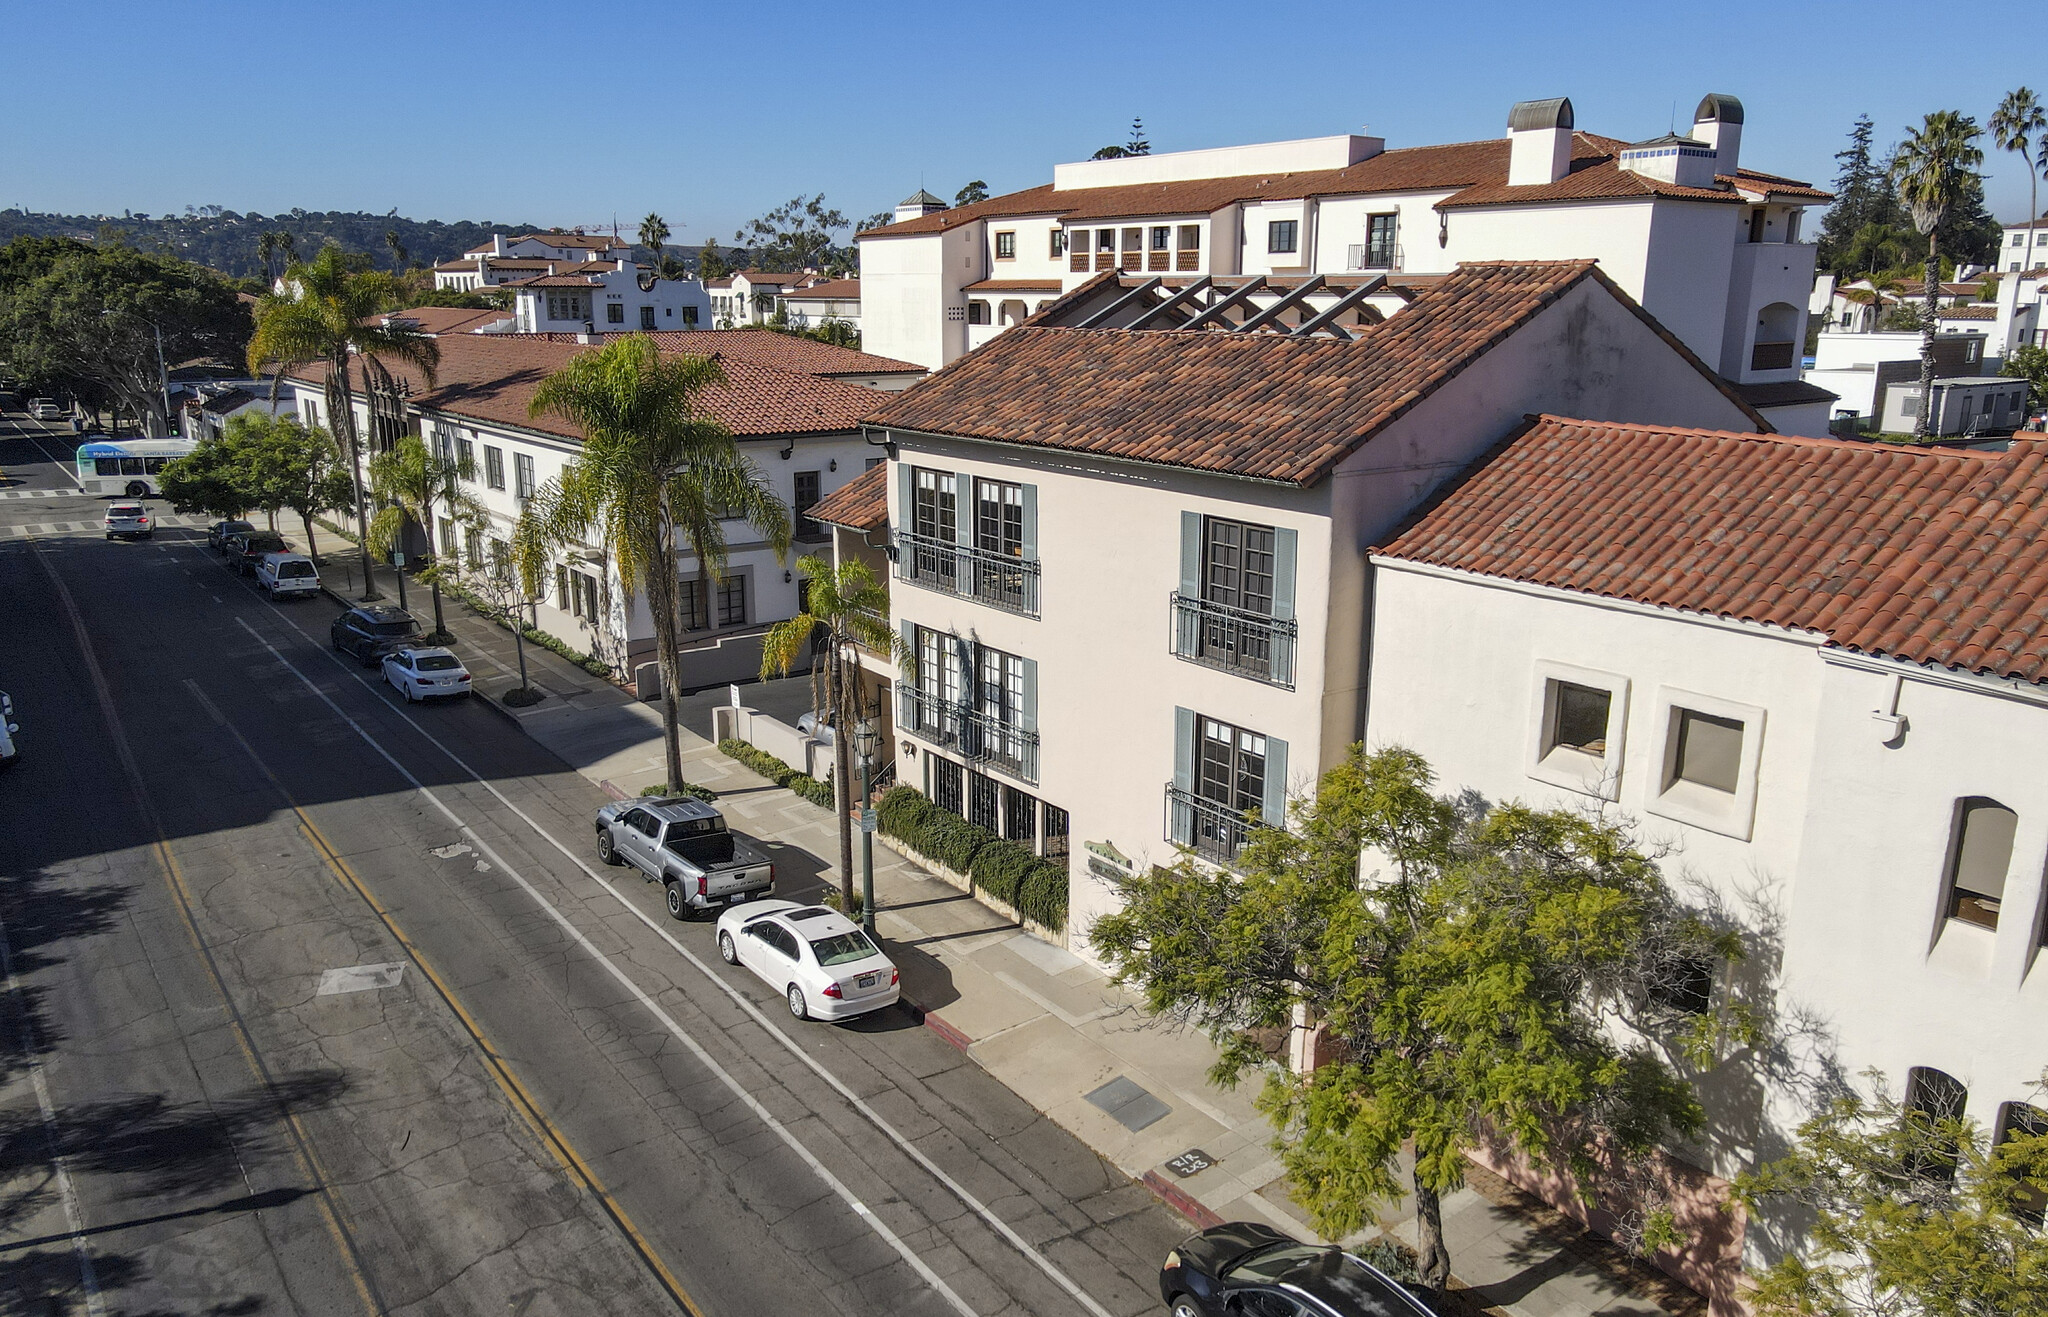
<point x="287" y="574"/>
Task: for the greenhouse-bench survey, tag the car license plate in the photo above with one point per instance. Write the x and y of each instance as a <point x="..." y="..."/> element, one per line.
<point x="736" y="898"/>
<point x="867" y="980"/>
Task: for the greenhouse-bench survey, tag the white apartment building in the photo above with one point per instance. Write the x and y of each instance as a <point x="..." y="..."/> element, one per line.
<point x="788" y="402"/>
<point x="814" y="304"/>
<point x="607" y="297"/>
<point x="1133" y="564"/>
<point x="1863" y="369"/>
<point x="1709" y="247"/>
<point x="749" y="297"/>
<point x="528" y="256"/>
<point x="2025" y="246"/>
<point x="1809" y="670"/>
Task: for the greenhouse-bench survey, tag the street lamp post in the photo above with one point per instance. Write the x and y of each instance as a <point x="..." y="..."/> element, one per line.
<point x="864" y="739"/>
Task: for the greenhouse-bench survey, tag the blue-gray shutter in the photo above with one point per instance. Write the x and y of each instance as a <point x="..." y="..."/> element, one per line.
<point x="1184" y="749"/>
<point x="906" y="496"/>
<point x="906" y="712"/>
<point x="963" y="509"/>
<point x="1031" y="523"/>
<point x="1286" y="545"/>
<point x="1274" y="809"/>
<point x="1029" y="715"/>
<point x="1191" y="555"/>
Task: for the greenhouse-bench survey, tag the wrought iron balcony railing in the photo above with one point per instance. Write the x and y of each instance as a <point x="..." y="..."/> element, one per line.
<point x="977" y="737"/>
<point x="1249" y="644"/>
<point x="1213" y="831"/>
<point x="997" y="579"/>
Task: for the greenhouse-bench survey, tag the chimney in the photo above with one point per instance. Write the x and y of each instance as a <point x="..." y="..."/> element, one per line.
<point x="497" y="244"/>
<point x="1718" y="123"/>
<point x="1539" y="142"/>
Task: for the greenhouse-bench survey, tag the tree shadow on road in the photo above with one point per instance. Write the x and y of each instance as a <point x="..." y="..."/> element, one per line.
<point x="37" y="915"/>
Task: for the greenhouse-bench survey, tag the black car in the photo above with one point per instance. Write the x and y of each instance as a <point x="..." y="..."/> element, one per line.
<point x="1244" y="1269"/>
<point x="217" y="534"/>
<point x="369" y="633"/>
<point x="245" y="548"/>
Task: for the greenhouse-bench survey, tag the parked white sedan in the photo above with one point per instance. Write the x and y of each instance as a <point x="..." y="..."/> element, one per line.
<point x="424" y="674"/>
<point x="818" y="959"/>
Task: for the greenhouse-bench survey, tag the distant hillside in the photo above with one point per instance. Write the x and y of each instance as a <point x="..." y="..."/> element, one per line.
<point x="227" y="241"/>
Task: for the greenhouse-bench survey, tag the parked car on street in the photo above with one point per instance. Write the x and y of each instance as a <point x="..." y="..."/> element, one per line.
<point x="818" y="729"/>
<point x="425" y="674"/>
<point x="1247" y="1269"/>
<point x="129" y="521"/>
<point x="245" y="549"/>
<point x="217" y="534"/>
<point x="43" y="409"/>
<point x="10" y="750"/>
<point x="370" y="632"/>
<point x="683" y="844"/>
<point x="818" y="959"/>
<point x="291" y="574"/>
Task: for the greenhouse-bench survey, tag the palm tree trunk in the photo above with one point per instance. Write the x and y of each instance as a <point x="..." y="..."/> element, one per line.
<point x="1922" y="425"/>
<point x="342" y="402"/>
<point x="666" y="601"/>
<point x="2033" y="207"/>
<point x="1432" y="1257"/>
<point x="842" y="768"/>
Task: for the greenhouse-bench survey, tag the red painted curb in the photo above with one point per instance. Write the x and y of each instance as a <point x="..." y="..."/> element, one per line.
<point x="611" y="790"/>
<point x="1180" y="1201"/>
<point x="945" y="1031"/>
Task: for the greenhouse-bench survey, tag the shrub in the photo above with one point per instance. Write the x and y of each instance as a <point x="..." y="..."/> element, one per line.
<point x="781" y="774"/>
<point x="952" y="841"/>
<point x="999" y="869"/>
<point x="813" y="790"/>
<point x="903" y="812"/>
<point x="705" y="794"/>
<point x="1390" y="1256"/>
<point x="1042" y="895"/>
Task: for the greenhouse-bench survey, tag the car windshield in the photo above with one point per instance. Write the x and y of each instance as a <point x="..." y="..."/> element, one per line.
<point x="406" y="628"/>
<point x="295" y="569"/>
<point x="265" y="544"/>
<point x="842" y="947"/>
<point x="124" y="510"/>
<point x="1339" y="1276"/>
<point x="436" y="663"/>
<point x="1275" y="1262"/>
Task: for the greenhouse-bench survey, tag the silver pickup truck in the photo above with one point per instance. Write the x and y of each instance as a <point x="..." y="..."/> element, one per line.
<point x="683" y="843"/>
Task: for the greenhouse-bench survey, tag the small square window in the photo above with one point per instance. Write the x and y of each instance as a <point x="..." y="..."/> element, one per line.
<point x="1709" y="751"/>
<point x="1578" y="718"/>
<point x="1006" y="246"/>
<point x="1709" y="762"/>
<point x="1282" y="235"/>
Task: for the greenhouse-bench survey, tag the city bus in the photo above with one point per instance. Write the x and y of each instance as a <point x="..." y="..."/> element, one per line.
<point x="127" y="466"/>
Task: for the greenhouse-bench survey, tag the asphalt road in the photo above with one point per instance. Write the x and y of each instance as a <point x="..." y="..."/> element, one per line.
<point x="315" y="1002"/>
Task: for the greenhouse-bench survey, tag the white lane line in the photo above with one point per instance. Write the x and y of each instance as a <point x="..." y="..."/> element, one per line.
<point x="669" y="1022"/>
<point x="790" y="1045"/>
<point x="94" y="1305"/>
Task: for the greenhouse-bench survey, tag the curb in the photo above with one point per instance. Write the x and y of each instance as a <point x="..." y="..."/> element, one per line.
<point x="1180" y="1200"/>
<point x="931" y="1021"/>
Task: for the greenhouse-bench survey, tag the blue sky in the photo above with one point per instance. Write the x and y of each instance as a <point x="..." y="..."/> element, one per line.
<point x="570" y="113"/>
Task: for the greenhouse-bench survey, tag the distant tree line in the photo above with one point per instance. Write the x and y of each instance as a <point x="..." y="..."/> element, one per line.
<point x="1869" y="231"/>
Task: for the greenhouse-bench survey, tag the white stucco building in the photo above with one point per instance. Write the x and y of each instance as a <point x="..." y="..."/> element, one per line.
<point x="1810" y="671"/>
<point x="1710" y="247"/>
<point x="814" y="304"/>
<point x="607" y="297"/>
<point x="528" y="256"/>
<point x="749" y="297"/>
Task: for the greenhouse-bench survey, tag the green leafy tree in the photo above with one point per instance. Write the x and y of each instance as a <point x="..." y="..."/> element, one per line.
<point x="1865" y="211"/>
<point x="797" y="235"/>
<point x="413" y="485"/>
<point x="711" y="262"/>
<point x="1465" y="988"/>
<point x="332" y="320"/>
<point x="657" y="471"/>
<point x="85" y="320"/>
<point x="2019" y="124"/>
<point x="290" y="468"/>
<point x="846" y="608"/>
<point x="1914" y="1212"/>
<point x="211" y="479"/>
<point x="2029" y="363"/>
<point x="396" y="246"/>
<point x="1933" y="169"/>
<point x="973" y="192"/>
<point x="654" y="236"/>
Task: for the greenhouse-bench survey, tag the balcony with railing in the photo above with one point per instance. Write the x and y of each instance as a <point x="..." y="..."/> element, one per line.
<point x="1233" y="640"/>
<point x="977" y="737"/>
<point x="1211" y="830"/>
<point x="999" y="580"/>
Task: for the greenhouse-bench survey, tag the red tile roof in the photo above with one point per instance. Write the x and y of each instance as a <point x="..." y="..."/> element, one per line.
<point x="451" y="319"/>
<point x="1597" y="180"/>
<point x="1927" y="555"/>
<point x="492" y="377"/>
<point x="1015" y="286"/>
<point x="862" y="503"/>
<point x="1261" y="406"/>
<point x="784" y="352"/>
<point x="1772" y="185"/>
<point x="1966" y="313"/>
<point x="551" y="238"/>
<point x="834" y="289"/>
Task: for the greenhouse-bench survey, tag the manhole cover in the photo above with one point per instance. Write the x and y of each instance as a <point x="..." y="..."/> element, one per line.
<point x="1130" y="1105"/>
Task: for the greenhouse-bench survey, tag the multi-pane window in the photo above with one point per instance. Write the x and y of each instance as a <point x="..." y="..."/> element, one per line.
<point x="1105" y="245"/>
<point x="984" y="802"/>
<point x="522" y="475"/>
<point x="696" y="609"/>
<point x="934" y="503"/>
<point x="1282" y="235"/>
<point x="1020" y="817"/>
<point x="977" y="312"/>
<point x="938" y="666"/>
<point x="646" y="317"/>
<point x="946" y="788"/>
<point x="444" y="444"/>
<point x="1379" y="241"/>
<point x="1162" y="237"/>
<point x="1006" y="246"/>
<point x="1708" y="751"/>
<point x="732" y="601"/>
<point x="586" y="587"/>
<point x="562" y="600"/>
<point x="1001" y="694"/>
<point x="465" y="456"/>
<point x="473" y="549"/>
<point x="999" y="517"/>
<point x="1057" y="829"/>
<point x="1237" y="565"/>
<point x="1056" y="247"/>
<point x="806" y="497"/>
<point x="1980" y="851"/>
<point x="501" y="561"/>
<point x="494" y="467"/>
<point x="614" y="313"/>
<point x="1578" y="718"/>
<point x="1230" y="766"/>
<point x="448" y="541"/>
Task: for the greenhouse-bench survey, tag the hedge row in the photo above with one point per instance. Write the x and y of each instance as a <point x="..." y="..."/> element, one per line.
<point x="705" y="794"/>
<point x="781" y="774"/>
<point x="1002" y="869"/>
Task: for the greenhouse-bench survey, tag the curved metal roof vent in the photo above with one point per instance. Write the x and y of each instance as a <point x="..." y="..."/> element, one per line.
<point x="1553" y="113"/>
<point x="1718" y="107"/>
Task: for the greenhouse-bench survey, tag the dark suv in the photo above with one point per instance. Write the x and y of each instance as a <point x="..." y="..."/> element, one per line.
<point x="370" y="633"/>
<point x="244" y="549"/>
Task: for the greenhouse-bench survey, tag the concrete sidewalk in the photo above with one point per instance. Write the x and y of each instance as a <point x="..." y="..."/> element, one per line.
<point x="1049" y="1024"/>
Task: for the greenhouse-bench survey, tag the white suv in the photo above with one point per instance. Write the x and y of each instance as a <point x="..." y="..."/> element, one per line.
<point x="129" y="521"/>
<point x="287" y="574"/>
<point x="45" y="410"/>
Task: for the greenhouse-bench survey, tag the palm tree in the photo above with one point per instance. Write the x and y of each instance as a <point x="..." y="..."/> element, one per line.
<point x="412" y="482"/>
<point x="2018" y="124"/>
<point x="654" y="236"/>
<point x="266" y="252"/>
<point x="1932" y="167"/>
<point x="657" y="472"/>
<point x="398" y="252"/>
<point x="333" y="318"/>
<point x="845" y="607"/>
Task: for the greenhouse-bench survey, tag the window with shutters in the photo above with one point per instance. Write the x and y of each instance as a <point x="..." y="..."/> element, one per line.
<point x="990" y="557"/>
<point x="1235" y="607"/>
<point x="805" y="497"/>
<point x="1979" y="853"/>
<point x="1226" y="773"/>
<point x="494" y="467"/>
<point x="973" y="699"/>
<point x="1709" y="761"/>
<point x="930" y="556"/>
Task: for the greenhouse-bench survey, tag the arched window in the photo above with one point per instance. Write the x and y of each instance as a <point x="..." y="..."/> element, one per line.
<point x="1932" y="1096"/>
<point x="1777" y="333"/>
<point x="1979" y="853"/>
<point x="2023" y="1120"/>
